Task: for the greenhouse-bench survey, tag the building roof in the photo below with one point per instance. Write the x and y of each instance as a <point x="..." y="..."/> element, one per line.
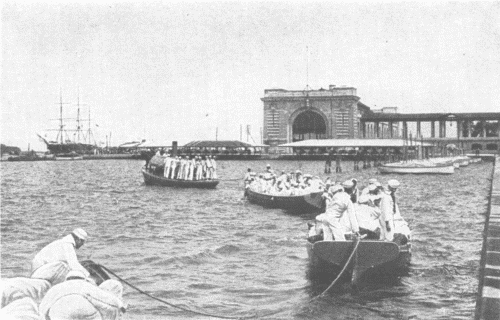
<point x="156" y="144"/>
<point x="220" y="144"/>
<point x="132" y="144"/>
<point x="430" y="116"/>
<point x="343" y="143"/>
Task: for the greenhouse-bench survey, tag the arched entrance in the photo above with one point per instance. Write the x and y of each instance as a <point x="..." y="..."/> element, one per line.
<point x="308" y="125"/>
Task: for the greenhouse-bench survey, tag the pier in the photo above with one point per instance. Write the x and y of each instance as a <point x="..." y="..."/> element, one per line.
<point x="488" y="298"/>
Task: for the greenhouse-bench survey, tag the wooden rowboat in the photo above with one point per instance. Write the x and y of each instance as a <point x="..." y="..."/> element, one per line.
<point x="372" y="257"/>
<point x="307" y="203"/>
<point x="152" y="179"/>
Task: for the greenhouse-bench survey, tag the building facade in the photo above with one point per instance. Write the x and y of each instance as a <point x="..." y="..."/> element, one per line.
<point x="295" y="115"/>
<point x="337" y="113"/>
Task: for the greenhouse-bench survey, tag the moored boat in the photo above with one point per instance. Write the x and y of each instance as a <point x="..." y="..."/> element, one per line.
<point x="371" y="258"/>
<point x="423" y="169"/>
<point x="152" y="179"/>
<point x="307" y="203"/>
<point x="68" y="157"/>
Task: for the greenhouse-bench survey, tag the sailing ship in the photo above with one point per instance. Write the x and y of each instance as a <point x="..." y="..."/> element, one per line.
<point x="81" y="143"/>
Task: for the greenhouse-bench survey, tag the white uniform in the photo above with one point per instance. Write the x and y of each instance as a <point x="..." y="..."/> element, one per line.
<point x="214" y="169"/>
<point x="59" y="250"/>
<point x="21" y="309"/>
<point x="18" y="288"/>
<point x="338" y="217"/>
<point x="387" y="217"/>
<point x="79" y="299"/>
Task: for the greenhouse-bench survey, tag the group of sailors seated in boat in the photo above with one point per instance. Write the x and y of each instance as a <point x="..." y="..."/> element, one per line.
<point x="372" y="213"/>
<point x="59" y="287"/>
<point x="190" y="168"/>
<point x="286" y="184"/>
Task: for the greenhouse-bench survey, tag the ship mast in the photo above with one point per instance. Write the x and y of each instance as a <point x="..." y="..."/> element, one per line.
<point x="60" y="132"/>
<point x="79" y="132"/>
<point x="89" y="132"/>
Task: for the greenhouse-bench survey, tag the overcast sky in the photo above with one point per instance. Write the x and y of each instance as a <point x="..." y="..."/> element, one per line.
<point x="177" y="71"/>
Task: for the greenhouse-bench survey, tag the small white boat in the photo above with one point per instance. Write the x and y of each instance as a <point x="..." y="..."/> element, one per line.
<point x="411" y="168"/>
<point x="66" y="158"/>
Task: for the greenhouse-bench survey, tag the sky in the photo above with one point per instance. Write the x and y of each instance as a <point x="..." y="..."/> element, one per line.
<point x="183" y="71"/>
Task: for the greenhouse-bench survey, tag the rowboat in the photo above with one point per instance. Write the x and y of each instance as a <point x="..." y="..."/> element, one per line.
<point x="372" y="258"/>
<point x="307" y="203"/>
<point x="153" y="179"/>
<point x="409" y="168"/>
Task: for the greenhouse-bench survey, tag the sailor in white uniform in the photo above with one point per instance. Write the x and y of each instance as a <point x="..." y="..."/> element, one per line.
<point x="388" y="208"/>
<point x="77" y="298"/>
<point x="57" y="252"/>
<point x="339" y="216"/>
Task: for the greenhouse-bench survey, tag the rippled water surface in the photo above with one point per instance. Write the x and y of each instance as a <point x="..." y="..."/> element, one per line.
<point x="210" y="250"/>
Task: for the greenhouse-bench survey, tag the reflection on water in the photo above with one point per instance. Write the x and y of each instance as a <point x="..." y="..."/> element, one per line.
<point x="212" y="250"/>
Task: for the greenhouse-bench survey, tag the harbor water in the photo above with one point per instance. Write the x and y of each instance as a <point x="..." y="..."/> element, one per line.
<point x="212" y="251"/>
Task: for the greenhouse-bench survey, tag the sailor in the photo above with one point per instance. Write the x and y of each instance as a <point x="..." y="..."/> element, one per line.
<point x="214" y="168"/>
<point x="203" y="169"/>
<point x="192" y="166"/>
<point x="298" y="177"/>
<point x="368" y="214"/>
<point x="13" y="289"/>
<point x="388" y="208"/>
<point x="77" y="298"/>
<point x="210" y="168"/>
<point x="249" y="178"/>
<point x="371" y="181"/>
<point x="351" y="190"/>
<point x="198" y="168"/>
<point x="269" y="173"/>
<point x="21" y="309"/>
<point x="168" y="162"/>
<point x="56" y="255"/>
<point x="339" y="215"/>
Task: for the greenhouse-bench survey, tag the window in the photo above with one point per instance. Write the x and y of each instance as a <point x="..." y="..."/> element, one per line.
<point x="492" y="146"/>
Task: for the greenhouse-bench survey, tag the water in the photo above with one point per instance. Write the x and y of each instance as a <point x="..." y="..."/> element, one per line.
<point x="212" y="251"/>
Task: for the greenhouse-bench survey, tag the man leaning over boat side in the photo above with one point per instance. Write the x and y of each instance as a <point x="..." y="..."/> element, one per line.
<point x="339" y="215"/>
<point x="57" y="254"/>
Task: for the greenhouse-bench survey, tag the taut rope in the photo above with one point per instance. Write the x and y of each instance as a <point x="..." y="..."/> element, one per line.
<point x="356" y="244"/>
<point x="255" y="316"/>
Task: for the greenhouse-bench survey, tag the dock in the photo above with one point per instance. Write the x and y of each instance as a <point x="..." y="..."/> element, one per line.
<point x="488" y="296"/>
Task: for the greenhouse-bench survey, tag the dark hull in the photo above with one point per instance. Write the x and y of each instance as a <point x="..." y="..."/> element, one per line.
<point x="151" y="179"/>
<point x="80" y="148"/>
<point x="308" y="203"/>
<point x="373" y="259"/>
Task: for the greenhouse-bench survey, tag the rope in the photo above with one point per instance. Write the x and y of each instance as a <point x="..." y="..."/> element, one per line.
<point x="179" y="307"/>
<point x="356" y="240"/>
<point x="255" y="316"/>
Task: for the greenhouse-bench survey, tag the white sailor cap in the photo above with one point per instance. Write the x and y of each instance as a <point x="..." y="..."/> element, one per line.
<point x="372" y="187"/>
<point x="393" y="183"/>
<point x="372" y="181"/>
<point x="75" y="274"/>
<point x="113" y="286"/>
<point x="268" y="166"/>
<point x="80" y="233"/>
<point x="348" y="184"/>
<point x="335" y="188"/>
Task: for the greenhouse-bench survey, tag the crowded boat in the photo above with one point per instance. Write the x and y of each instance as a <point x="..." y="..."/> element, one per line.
<point x="285" y="184"/>
<point x="372" y="213"/>
<point x="191" y="168"/>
